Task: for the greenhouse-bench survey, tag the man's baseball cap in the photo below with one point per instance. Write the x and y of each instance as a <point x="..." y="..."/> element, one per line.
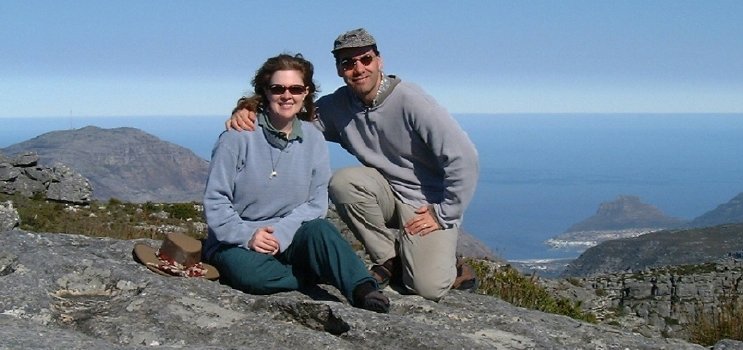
<point x="352" y="39"/>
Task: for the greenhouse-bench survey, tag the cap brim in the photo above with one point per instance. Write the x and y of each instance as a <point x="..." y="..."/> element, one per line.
<point x="147" y="256"/>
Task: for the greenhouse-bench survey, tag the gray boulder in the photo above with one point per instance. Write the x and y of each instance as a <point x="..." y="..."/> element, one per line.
<point x="69" y="186"/>
<point x="8" y="172"/>
<point x="9" y="218"/>
<point x="76" y="292"/>
<point x="23" y="175"/>
<point x="25" y="159"/>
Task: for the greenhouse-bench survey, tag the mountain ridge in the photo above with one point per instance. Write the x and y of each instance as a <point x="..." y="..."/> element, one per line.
<point x="123" y="163"/>
<point x="726" y="213"/>
<point x="661" y="248"/>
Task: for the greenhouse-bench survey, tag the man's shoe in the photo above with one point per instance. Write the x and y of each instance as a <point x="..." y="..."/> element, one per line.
<point x="466" y="279"/>
<point x="388" y="272"/>
<point x="381" y="274"/>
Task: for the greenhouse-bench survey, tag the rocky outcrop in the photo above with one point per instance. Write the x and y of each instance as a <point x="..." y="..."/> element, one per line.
<point x="124" y="163"/>
<point x="659" y="301"/>
<point x="75" y="292"/>
<point x="22" y="174"/>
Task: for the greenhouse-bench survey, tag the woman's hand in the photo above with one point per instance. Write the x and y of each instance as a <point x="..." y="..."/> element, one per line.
<point x="264" y="242"/>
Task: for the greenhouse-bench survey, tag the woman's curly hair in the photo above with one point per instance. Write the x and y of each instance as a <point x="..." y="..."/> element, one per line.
<point x="262" y="80"/>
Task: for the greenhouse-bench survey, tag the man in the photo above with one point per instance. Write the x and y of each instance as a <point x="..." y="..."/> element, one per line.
<point x="420" y="170"/>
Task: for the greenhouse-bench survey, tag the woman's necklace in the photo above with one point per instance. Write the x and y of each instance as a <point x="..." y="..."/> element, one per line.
<point x="274" y="165"/>
<point x="281" y="150"/>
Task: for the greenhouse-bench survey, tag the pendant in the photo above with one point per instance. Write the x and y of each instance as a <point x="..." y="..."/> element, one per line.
<point x="273" y="174"/>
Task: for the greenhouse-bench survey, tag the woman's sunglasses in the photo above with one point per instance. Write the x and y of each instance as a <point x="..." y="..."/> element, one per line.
<point x="350" y="63"/>
<point x="276" y="89"/>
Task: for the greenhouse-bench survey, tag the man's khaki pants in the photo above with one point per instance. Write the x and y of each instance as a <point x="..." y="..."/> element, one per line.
<point x="374" y="214"/>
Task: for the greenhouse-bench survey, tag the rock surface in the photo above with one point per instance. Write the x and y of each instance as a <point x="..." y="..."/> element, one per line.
<point x="76" y="292"/>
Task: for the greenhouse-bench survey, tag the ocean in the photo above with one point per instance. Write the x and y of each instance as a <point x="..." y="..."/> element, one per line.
<point x="539" y="173"/>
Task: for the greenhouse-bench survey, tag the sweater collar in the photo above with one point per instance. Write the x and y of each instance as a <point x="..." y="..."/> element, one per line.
<point x="278" y="138"/>
<point x="385" y="89"/>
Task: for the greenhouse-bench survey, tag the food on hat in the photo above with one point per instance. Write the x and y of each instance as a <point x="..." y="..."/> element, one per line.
<point x="179" y="255"/>
<point x="181" y="248"/>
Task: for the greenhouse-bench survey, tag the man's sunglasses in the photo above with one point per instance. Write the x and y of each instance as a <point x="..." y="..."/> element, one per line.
<point x="350" y="63"/>
<point x="276" y="89"/>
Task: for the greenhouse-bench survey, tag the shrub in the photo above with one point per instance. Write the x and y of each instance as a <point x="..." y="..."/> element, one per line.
<point x="712" y="325"/>
<point x="182" y="211"/>
<point x="513" y="287"/>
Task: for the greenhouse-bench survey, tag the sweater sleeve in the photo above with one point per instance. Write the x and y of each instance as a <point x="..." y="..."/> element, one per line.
<point x="316" y="205"/>
<point x="221" y="216"/>
<point x="456" y="156"/>
<point x="324" y="124"/>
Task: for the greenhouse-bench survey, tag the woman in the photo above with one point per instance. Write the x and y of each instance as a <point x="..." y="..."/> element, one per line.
<point x="267" y="194"/>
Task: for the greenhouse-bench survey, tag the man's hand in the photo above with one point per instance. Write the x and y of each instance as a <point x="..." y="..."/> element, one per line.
<point x="264" y="242"/>
<point x="241" y="120"/>
<point x="423" y="223"/>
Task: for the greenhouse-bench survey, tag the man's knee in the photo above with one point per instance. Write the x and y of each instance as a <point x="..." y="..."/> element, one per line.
<point x="430" y="289"/>
<point x="431" y="278"/>
<point x="356" y="184"/>
<point x="341" y="181"/>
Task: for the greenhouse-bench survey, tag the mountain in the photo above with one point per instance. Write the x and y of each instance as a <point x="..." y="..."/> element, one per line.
<point x="123" y="163"/>
<point x="626" y="216"/>
<point x="662" y="248"/>
<point x="625" y="212"/>
<point x="727" y="213"/>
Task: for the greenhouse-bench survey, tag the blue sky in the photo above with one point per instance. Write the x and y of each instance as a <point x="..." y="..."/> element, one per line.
<point x="135" y="57"/>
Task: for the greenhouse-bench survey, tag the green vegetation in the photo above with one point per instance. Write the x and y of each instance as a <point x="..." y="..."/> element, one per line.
<point x="684" y="270"/>
<point x="183" y="211"/>
<point x="114" y="218"/>
<point x="711" y="326"/>
<point x="575" y="281"/>
<point x="510" y="285"/>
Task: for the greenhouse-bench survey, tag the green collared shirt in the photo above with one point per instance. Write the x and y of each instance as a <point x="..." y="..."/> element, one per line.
<point x="276" y="138"/>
